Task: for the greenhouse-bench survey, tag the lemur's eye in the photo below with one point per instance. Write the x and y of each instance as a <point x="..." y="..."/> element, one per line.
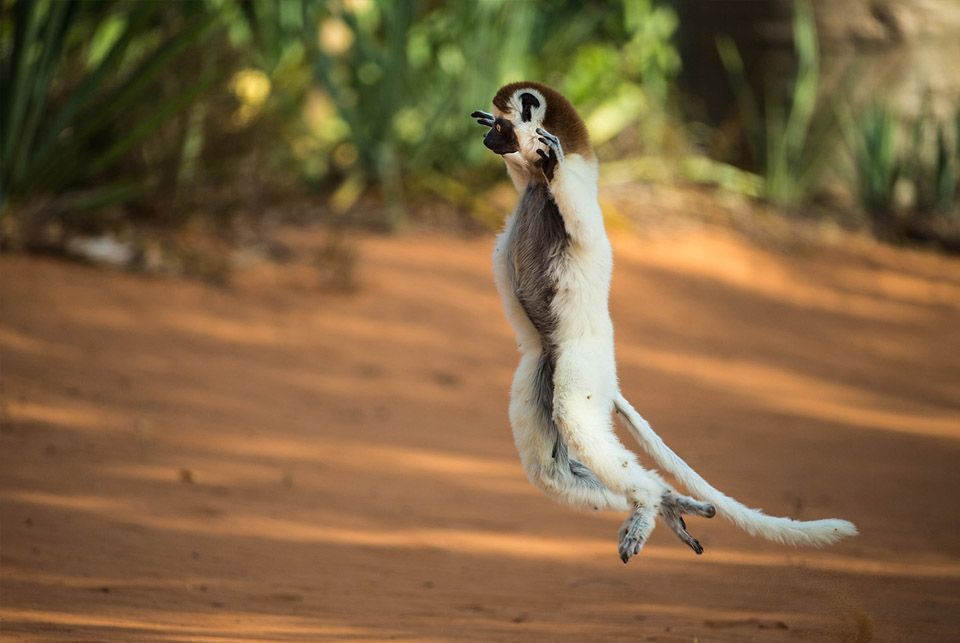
<point x="498" y="127"/>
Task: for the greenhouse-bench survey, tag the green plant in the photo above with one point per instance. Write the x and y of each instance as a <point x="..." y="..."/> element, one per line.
<point x="933" y="164"/>
<point x="927" y="165"/>
<point x="121" y="101"/>
<point x="80" y="92"/>
<point x="392" y="79"/>
<point x="872" y="141"/>
<point x="791" y="141"/>
<point x="395" y="81"/>
<point x="627" y="77"/>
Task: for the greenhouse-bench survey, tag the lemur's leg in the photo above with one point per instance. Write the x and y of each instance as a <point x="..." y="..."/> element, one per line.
<point x="582" y="411"/>
<point x="543" y="452"/>
<point x="582" y="407"/>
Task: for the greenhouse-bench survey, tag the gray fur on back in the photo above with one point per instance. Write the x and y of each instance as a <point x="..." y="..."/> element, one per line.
<point x="536" y="250"/>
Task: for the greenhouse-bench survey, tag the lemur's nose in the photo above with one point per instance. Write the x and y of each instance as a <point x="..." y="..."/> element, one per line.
<point x="499" y="144"/>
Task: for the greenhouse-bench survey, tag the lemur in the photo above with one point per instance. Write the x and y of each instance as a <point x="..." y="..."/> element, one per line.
<point x="552" y="267"/>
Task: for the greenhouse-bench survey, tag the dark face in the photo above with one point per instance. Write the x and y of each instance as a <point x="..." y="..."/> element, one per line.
<point x="501" y="138"/>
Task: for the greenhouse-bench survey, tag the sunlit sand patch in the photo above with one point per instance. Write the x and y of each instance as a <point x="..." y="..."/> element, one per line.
<point x="13" y="340"/>
<point x="219" y="472"/>
<point x="411" y="335"/>
<point x="225" y="397"/>
<point x="476" y="542"/>
<point x="90" y="503"/>
<point x="871" y="294"/>
<point x="71" y="417"/>
<point x="463" y="471"/>
<point x="180" y="581"/>
<point x="340" y="451"/>
<point x="252" y="333"/>
<point x="108" y="316"/>
<point x="905" y="288"/>
<point x="701" y="613"/>
<point x="801" y="395"/>
<point x="209" y="626"/>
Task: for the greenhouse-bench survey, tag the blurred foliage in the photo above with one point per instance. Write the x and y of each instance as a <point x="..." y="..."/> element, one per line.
<point x="120" y="111"/>
<point x="933" y="165"/>
<point x="390" y="83"/>
<point x="133" y="102"/>
<point x="84" y="84"/>
<point x="788" y="135"/>
<point x="872" y="139"/>
<point x="900" y="186"/>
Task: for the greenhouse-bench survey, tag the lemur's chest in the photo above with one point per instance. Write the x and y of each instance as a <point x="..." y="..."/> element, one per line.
<point x="536" y="250"/>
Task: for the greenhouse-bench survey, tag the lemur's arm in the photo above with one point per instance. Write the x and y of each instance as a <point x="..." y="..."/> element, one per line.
<point x="573" y="183"/>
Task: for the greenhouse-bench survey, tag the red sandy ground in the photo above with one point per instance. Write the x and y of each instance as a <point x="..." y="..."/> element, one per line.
<point x="271" y="461"/>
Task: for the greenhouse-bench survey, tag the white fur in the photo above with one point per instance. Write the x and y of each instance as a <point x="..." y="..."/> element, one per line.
<point x="585" y="380"/>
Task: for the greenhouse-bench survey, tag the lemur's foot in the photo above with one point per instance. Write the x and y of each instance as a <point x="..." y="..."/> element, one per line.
<point x="673" y="506"/>
<point x="634" y="532"/>
<point x="483" y="118"/>
<point x="552" y="157"/>
<point x="639" y="524"/>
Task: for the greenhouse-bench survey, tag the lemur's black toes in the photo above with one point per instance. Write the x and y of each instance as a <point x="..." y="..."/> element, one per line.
<point x="688" y="505"/>
<point x="673" y="505"/>
<point x="633" y="534"/>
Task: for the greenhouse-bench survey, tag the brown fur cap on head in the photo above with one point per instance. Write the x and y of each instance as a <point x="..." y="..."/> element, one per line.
<point x="560" y="119"/>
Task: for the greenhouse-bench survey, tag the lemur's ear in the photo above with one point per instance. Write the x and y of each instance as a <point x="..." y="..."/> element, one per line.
<point x="529" y="103"/>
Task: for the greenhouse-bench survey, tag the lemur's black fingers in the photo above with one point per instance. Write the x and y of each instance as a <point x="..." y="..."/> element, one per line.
<point x="483" y="118"/>
<point x="556" y="151"/>
<point x="547" y="163"/>
<point x="544" y="133"/>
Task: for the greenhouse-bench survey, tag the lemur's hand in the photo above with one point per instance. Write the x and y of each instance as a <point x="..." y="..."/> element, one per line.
<point x="552" y="157"/>
<point x="483" y="118"/>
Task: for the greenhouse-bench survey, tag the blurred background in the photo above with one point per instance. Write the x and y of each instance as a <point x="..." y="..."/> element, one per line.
<point x="156" y="134"/>
<point x="281" y="412"/>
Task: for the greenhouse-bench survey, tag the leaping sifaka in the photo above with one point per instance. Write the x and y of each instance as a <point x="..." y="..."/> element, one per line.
<point x="552" y="265"/>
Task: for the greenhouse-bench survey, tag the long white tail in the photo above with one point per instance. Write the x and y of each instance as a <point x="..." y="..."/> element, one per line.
<point x="753" y="521"/>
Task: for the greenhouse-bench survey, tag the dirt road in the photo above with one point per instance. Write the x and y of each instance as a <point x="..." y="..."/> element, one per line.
<point x="269" y="461"/>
